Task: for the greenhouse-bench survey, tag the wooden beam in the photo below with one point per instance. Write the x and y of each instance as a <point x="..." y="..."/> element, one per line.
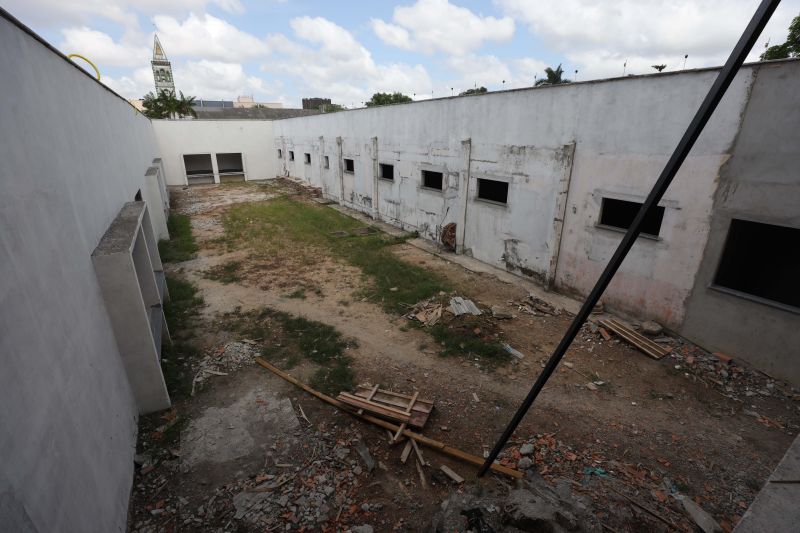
<point x="421" y="439"/>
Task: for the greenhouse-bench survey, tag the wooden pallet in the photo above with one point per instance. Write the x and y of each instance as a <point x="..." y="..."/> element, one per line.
<point x="402" y="408"/>
<point x="643" y="343"/>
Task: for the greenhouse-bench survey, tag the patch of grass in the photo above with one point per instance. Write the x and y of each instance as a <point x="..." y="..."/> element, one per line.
<point x="181" y="245"/>
<point x="459" y="341"/>
<point x="273" y="226"/>
<point x="184" y="304"/>
<point x="225" y="273"/>
<point x="290" y="339"/>
<point x="176" y="362"/>
<point x="298" y="294"/>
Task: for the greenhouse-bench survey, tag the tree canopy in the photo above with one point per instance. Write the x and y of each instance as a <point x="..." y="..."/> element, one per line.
<point x="166" y="105"/>
<point x="791" y="48"/>
<point x="470" y="92"/>
<point x="388" y="99"/>
<point x="553" y="77"/>
<point x="332" y="108"/>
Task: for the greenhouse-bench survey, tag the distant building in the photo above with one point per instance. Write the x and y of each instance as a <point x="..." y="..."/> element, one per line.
<point x="241" y="102"/>
<point x="162" y="69"/>
<point x="315" y="103"/>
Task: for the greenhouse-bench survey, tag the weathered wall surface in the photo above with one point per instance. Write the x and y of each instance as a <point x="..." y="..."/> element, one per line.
<point x="73" y="153"/>
<point x="251" y="138"/>
<point x="622" y="131"/>
<point x="625" y="135"/>
<point x="760" y="183"/>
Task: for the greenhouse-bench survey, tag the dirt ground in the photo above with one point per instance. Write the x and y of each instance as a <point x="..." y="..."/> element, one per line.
<point x="631" y="434"/>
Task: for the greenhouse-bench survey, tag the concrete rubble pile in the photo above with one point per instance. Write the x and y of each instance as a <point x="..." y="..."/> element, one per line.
<point x="530" y="506"/>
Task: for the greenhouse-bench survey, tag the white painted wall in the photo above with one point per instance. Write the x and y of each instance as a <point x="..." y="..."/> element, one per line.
<point x="623" y="131"/>
<point x="251" y="138"/>
<point x="73" y="153"/>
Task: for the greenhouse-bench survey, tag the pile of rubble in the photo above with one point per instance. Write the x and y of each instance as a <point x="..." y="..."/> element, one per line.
<point x="227" y="358"/>
<point x="531" y="506"/>
<point x="735" y="381"/>
<point x="318" y="495"/>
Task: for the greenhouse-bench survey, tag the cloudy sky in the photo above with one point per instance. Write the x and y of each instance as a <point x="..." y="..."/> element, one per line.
<point x="283" y="50"/>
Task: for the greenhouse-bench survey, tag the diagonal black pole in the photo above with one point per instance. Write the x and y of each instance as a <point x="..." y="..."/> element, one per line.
<point x="724" y="79"/>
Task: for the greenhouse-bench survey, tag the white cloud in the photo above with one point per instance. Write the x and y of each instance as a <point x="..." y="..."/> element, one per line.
<point x="490" y="71"/>
<point x="57" y="12"/>
<point x="210" y="80"/>
<point x="208" y="37"/>
<point x="102" y="49"/>
<point x="215" y="80"/>
<point x="598" y="37"/>
<point x="439" y="26"/>
<point x="338" y="66"/>
<point x="136" y="85"/>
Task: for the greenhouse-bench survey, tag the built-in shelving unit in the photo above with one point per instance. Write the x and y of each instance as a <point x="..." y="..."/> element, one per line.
<point x="134" y="288"/>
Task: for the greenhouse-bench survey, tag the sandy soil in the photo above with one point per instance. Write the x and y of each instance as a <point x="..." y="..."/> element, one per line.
<point x="668" y="419"/>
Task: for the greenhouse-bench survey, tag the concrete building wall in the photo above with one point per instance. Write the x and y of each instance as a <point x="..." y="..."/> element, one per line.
<point x="251" y="138"/>
<point x="760" y="183"/>
<point x="73" y="153"/>
<point x="557" y="147"/>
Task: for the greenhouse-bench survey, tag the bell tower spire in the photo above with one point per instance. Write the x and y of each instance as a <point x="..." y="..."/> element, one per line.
<point x="162" y="69"/>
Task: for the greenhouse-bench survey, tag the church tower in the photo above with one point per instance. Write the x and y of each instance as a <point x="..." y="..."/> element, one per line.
<point x="162" y="70"/>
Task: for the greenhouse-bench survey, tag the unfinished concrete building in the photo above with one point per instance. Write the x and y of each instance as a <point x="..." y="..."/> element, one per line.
<point x="538" y="182"/>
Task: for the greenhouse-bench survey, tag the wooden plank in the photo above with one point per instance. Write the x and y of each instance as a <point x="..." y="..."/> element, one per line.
<point x="406" y="451"/>
<point x="365" y="401"/>
<point x="371" y="394"/>
<point x="417" y="451"/>
<point x="451" y="474"/>
<point x="642" y="343"/>
<point x="374" y="407"/>
<point x="420" y="410"/>
<point x="422" y="480"/>
<point x="408" y="410"/>
<point x="641" y="339"/>
<point x="416" y="437"/>
<point x="396" y="399"/>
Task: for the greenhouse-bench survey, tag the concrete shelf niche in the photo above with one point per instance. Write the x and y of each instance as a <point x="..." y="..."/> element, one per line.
<point x="131" y="277"/>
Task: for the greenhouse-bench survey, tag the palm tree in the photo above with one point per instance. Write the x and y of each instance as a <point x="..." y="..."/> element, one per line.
<point x="553" y="77"/>
<point x="165" y="105"/>
<point x="184" y="107"/>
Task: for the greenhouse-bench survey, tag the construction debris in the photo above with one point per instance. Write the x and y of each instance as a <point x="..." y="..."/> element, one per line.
<point x="451" y="474"/>
<point x="431" y="443"/>
<point x="462" y="306"/>
<point x="406" y="451"/>
<point x="427" y="312"/>
<point x="512" y="351"/>
<point x="403" y="408"/>
<point x="644" y="344"/>
<point x="222" y="360"/>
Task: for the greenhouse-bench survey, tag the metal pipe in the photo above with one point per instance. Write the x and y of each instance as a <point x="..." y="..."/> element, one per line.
<point x="721" y="84"/>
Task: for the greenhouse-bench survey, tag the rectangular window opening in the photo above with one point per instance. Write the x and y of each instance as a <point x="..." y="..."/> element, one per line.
<point x="291" y="155"/>
<point x="230" y="164"/>
<point x="619" y="214"/>
<point x="280" y="153"/>
<point x="198" y="168"/>
<point x="386" y="172"/>
<point x="307" y="158"/>
<point x="432" y="180"/>
<point x="327" y="162"/>
<point x="493" y="190"/>
<point x="349" y="165"/>
<point x="761" y="260"/>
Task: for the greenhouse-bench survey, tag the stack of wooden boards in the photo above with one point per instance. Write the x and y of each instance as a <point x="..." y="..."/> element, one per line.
<point x="400" y="408"/>
<point x="407" y="410"/>
<point x="643" y="343"/>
